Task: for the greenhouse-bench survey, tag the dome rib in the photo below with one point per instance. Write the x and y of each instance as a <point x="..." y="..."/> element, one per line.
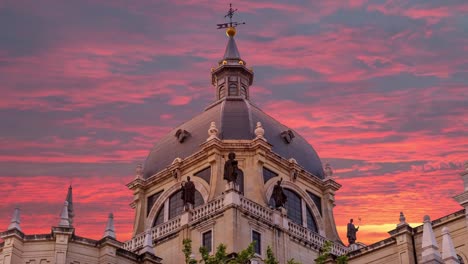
<point x="235" y="119"/>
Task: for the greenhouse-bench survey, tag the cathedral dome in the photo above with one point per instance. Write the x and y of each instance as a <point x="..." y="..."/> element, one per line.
<point x="235" y="118"/>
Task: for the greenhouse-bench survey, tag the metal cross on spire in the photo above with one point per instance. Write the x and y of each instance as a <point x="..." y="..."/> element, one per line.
<point x="231" y="24"/>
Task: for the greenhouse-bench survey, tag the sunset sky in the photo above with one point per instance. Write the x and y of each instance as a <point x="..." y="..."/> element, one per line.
<point x="378" y="88"/>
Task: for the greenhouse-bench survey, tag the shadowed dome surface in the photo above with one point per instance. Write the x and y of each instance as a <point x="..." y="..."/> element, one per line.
<point x="235" y="118"/>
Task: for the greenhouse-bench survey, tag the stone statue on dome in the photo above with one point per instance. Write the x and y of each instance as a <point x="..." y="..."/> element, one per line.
<point x="230" y="168"/>
<point x="278" y="195"/>
<point x="188" y="192"/>
<point x="351" y="232"/>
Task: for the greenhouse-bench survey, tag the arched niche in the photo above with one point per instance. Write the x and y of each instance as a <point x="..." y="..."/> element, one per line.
<point x="269" y="185"/>
<point x="200" y="186"/>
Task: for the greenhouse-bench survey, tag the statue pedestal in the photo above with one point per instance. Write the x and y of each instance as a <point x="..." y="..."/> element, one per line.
<point x="188" y="207"/>
<point x="280" y="218"/>
<point x="231" y="186"/>
<point x="185" y="218"/>
<point x="231" y="197"/>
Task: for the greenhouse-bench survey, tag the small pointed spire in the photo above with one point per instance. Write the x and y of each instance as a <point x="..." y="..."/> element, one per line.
<point x="15" y="220"/>
<point x="430" y="249"/>
<point x="231" y="53"/>
<point x="449" y="254"/>
<point x="402" y="220"/>
<point x="69" y="199"/>
<point x="110" y="230"/>
<point x="147" y="244"/>
<point x="64" y="220"/>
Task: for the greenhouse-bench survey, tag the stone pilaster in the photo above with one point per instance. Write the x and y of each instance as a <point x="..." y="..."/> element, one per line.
<point x="403" y="235"/>
<point x="462" y="198"/>
<point x="329" y="203"/>
<point x="62" y="236"/>
<point x="107" y="250"/>
<point x="13" y="246"/>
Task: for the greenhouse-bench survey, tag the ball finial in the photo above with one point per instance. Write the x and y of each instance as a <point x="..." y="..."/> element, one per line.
<point x="231" y="32"/>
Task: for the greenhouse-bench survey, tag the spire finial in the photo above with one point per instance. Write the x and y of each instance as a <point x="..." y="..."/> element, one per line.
<point x="110" y="229"/>
<point x="449" y="254"/>
<point x="402" y="219"/>
<point x="69" y="199"/>
<point x="231" y="26"/>
<point x="430" y="249"/>
<point x="64" y="220"/>
<point x="259" y="131"/>
<point x="15" y="220"/>
<point x="212" y="131"/>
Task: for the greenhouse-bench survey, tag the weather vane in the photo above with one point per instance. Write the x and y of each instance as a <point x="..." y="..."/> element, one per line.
<point x="231" y="24"/>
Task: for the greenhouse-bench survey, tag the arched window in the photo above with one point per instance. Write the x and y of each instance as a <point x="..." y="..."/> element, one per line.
<point x="311" y="224"/>
<point x="233" y="88"/>
<point x="221" y="91"/>
<point x="175" y="207"/>
<point x="159" y="217"/>
<point x="295" y="206"/>
<point x="243" y="91"/>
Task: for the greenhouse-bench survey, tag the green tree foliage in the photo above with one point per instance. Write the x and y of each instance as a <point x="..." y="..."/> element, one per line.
<point x="245" y="255"/>
<point x="220" y="256"/>
<point x="324" y="252"/>
<point x="343" y="259"/>
<point x="292" y="261"/>
<point x="187" y="250"/>
<point x="270" y="257"/>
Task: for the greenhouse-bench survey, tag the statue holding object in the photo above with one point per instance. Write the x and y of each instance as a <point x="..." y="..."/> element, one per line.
<point x="278" y="195"/>
<point x="230" y="168"/>
<point x="188" y="192"/>
<point x="351" y="232"/>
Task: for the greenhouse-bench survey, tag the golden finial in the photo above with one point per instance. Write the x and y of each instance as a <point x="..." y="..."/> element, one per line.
<point x="231" y="32"/>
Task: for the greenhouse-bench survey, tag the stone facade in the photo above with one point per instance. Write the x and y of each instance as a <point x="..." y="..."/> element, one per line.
<point x="231" y="215"/>
<point x="62" y="246"/>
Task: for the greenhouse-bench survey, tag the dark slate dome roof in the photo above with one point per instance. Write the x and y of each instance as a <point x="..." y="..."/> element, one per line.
<point x="235" y="118"/>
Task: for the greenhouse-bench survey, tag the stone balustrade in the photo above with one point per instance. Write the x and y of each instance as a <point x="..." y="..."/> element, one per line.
<point x="313" y="238"/>
<point x="207" y="209"/>
<point x="256" y="210"/>
<point x="156" y="232"/>
<point x="165" y="228"/>
<point x="249" y="207"/>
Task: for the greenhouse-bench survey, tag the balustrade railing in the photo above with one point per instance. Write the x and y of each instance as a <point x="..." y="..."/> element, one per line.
<point x="314" y="238"/>
<point x="165" y="228"/>
<point x="208" y="209"/>
<point x="248" y="206"/>
<point x="156" y="232"/>
<point x="256" y="209"/>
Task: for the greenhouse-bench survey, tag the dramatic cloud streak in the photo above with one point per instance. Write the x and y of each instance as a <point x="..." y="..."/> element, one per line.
<point x="378" y="88"/>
